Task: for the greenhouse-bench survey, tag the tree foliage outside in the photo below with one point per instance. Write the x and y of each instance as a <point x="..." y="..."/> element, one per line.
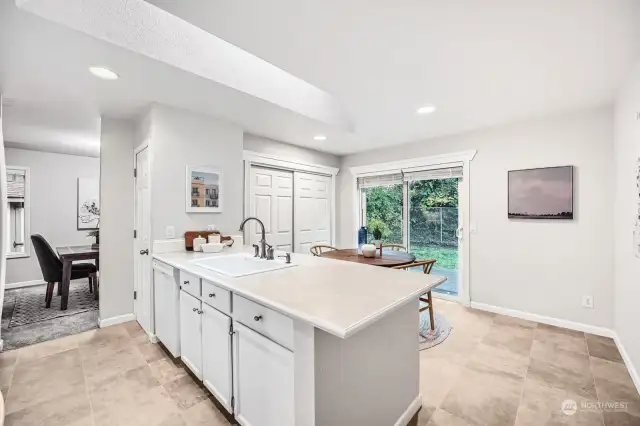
<point x="433" y="215"/>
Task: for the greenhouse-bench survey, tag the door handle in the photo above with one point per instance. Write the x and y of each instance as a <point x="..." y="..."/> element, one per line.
<point x="146" y="251"/>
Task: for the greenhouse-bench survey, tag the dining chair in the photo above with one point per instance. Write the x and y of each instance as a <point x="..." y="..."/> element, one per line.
<point x="318" y="249"/>
<point x="394" y="247"/>
<point x="426" y="265"/>
<point x="51" y="267"/>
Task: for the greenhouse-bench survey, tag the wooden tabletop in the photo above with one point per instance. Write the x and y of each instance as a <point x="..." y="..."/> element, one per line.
<point x="388" y="259"/>
<point x="77" y="250"/>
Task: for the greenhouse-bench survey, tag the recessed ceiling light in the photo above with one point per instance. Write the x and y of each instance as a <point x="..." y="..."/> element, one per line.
<point x="320" y="138"/>
<point x="104" y="73"/>
<point x="427" y="109"/>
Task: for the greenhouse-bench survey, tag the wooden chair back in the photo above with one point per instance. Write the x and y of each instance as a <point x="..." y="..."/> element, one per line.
<point x="318" y="249"/>
<point x="394" y="247"/>
<point x="427" y="265"/>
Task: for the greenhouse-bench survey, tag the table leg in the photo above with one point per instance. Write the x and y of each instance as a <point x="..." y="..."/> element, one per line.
<point x="66" y="278"/>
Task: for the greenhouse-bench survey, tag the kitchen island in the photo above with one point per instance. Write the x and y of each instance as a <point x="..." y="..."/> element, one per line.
<point x="323" y="343"/>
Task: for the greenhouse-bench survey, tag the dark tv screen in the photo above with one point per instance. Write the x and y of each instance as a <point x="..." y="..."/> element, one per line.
<point x="545" y="193"/>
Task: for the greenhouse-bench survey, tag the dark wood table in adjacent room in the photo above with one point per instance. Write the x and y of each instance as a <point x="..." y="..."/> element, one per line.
<point x="388" y="259"/>
<point x="69" y="254"/>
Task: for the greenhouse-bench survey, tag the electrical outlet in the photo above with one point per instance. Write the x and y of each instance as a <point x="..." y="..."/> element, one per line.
<point x="170" y="232"/>
<point x="587" y="302"/>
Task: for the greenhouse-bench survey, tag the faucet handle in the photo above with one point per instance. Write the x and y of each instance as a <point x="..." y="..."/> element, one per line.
<point x="256" y="249"/>
<point x="287" y="257"/>
<point x="270" y="252"/>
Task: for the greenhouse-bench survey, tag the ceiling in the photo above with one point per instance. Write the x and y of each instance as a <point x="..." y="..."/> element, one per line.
<point x="481" y="63"/>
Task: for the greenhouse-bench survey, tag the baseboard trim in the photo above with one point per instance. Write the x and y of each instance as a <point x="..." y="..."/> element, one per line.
<point x="411" y="411"/>
<point x="627" y="361"/>
<point x="586" y="328"/>
<point x="117" y="320"/>
<point x="23" y="284"/>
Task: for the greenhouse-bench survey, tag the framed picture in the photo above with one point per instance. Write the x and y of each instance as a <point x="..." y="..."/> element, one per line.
<point x="203" y="190"/>
<point x="545" y="193"/>
<point x="88" y="213"/>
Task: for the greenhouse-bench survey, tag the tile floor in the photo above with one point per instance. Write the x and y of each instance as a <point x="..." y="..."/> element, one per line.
<point x="492" y="371"/>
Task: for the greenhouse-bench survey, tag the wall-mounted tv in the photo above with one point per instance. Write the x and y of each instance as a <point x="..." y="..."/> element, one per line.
<point x="545" y="193"/>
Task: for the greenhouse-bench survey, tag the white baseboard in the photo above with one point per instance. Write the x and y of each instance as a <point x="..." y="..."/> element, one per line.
<point x="411" y="411"/>
<point x="586" y="328"/>
<point x="627" y="361"/>
<point x="117" y="320"/>
<point x="168" y="246"/>
<point x="22" y="284"/>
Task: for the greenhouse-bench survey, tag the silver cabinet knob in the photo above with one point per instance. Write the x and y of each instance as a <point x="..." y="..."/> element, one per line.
<point x="186" y="282"/>
<point x="212" y="295"/>
<point x="195" y="309"/>
<point x="257" y="318"/>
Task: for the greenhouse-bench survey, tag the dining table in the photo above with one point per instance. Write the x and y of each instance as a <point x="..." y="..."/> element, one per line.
<point x="388" y="258"/>
<point x="69" y="254"/>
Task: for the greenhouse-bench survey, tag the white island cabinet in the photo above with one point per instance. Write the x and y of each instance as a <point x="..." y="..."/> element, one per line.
<point x="325" y="343"/>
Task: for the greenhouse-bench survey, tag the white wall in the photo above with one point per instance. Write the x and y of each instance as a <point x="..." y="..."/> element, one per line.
<point x="541" y="267"/>
<point x="180" y="138"/>
<point x="286" y="151"/>
<point x="54" y="199"/>
<point x="626" y="265"/>
<point x="3" y="215"/>
<point x="117" y="142"/>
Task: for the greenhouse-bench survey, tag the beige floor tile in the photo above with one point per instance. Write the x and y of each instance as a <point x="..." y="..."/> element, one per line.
<point x="41" y="380"/>
<point x="133" y="329"/>
<point x="185" y="392"/>
<point x="153" y="407"/>
<point x="603" y="347"/>
<point x="101" y="367"/>
<point x="166" y="370"/>
<point x="614" y="392"/>
<point x="541" y="406"/>
<point x="570" y="360"/>
<point x="556" y="376"/>
<point x="557" y="338"/>
<point x="45" y="349"/>
<point x="610" y="370"/>
<point x="504" y="320"/>
<point x="422" y="417"/>
<point x="442" y="418"/>
<point x="485" y="396"/>
<point x="152" y="351"/>
<point x="6" y="374"/>
<point x="104" y="340"/>
<point x="204" y="413"/>
<point x="9" y="358"/>
<point x="512" y="337"/>
<point x="620" y="419"/>
<point x="436" y="380"/>
<point x="65" y="410"/>
<point x="456" y="349"/>
<point x="501" y="359"/>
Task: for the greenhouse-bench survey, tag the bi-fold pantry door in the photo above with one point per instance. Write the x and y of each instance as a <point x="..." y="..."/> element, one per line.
<point x="294" y="207"/>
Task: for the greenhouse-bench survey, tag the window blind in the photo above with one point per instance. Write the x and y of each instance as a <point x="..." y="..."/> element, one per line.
<point x="380" y="180"/>
<point x="428" y="174"/>
<point x="15" y="183"/>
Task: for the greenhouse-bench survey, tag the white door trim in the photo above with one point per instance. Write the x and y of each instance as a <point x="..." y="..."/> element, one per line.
<point x="252" y="158"/>
<point x="435" y="161"/>
<point x="144" y="145"/>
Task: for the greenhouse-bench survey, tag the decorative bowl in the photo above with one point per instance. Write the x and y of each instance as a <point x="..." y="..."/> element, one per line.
<point x="368" y="250"/>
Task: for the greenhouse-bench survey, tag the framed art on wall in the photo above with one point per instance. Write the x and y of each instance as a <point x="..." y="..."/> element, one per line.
<point x="88" y="213"/>
<point x="203" y="190"/>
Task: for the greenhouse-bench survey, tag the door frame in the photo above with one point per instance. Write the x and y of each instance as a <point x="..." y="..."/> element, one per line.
<point x="455" y="159"/>
<point x="136" y="302"/>
<point x="251" y="158"/>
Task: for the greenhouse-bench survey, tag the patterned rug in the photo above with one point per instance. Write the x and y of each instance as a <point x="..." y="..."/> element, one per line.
<point x="30" y="305"/>
<point x="429" y="338"/>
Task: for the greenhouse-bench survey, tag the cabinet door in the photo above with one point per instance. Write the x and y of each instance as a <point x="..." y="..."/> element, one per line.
<point x="216" y="354"/>
<point x="191" y="333"/>
<point x="263" y="380"/>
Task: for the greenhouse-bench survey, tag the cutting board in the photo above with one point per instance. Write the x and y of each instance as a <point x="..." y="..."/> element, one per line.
<point x="190" y="235"/>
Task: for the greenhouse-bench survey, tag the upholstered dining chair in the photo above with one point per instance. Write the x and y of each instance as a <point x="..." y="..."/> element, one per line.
<point x="426" y="265"/>
<point x="318" y="249"/>
<point x="51" y="267"/>
<point x="394" y="247"/>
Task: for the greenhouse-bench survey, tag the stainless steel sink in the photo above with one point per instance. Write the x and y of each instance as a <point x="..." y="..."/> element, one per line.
<point x="241" y="264"/>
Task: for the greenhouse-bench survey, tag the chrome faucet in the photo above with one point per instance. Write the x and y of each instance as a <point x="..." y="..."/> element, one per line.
<point x="263" y="241"/>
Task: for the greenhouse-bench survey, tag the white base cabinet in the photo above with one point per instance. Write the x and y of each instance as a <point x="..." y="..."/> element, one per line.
<point x="191" y="333"/>
<point x="264" y="380"/>
<point x="217" y="371"/>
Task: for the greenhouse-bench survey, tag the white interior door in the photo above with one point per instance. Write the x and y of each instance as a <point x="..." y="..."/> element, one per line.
<point x="312" y="217"/>
<point x="142" y="264"/>
<point x="271" y="201"/>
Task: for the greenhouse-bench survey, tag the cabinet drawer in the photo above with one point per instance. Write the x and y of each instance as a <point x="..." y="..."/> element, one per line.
<point x="216" y="297"/>
<point x="265" y="321"/>
<point x="190" y="283"/>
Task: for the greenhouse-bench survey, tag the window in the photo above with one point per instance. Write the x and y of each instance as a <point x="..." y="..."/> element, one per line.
<point x="17" y="225"/>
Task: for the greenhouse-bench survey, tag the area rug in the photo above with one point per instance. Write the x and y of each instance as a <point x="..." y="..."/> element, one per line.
<point x="429" y="338"/>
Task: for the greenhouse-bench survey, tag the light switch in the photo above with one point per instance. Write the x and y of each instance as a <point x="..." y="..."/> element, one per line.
<point x="472" y="228"/>
<point x="170" y="232"/>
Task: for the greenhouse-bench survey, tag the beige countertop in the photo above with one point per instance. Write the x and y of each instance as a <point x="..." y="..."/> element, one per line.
<point x="336" y="296"/>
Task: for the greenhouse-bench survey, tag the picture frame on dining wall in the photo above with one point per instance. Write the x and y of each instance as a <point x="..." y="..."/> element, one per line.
<point x="204" y="190"/>
<point x="88" y="206"/>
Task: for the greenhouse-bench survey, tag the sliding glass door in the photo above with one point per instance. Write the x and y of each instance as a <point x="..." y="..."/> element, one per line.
<point x="421" y="211"/>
